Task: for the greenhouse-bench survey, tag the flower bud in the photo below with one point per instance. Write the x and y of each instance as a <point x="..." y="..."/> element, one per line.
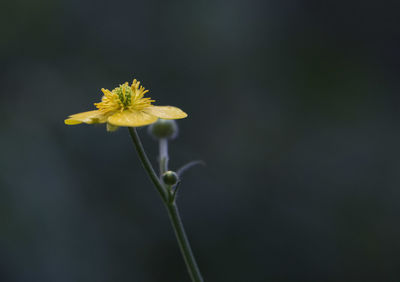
<point x="170" y="178"/>
<point x="164" y="128"/>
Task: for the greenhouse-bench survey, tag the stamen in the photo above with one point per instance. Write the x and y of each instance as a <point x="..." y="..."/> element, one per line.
<point x="124" y="97"/>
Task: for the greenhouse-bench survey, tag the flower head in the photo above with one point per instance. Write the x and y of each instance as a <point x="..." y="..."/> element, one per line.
<point x="126" y="106"/>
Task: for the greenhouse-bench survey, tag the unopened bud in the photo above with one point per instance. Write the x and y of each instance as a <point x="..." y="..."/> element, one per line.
<point x="170" y="178"/>
<point x="164" y="128"/>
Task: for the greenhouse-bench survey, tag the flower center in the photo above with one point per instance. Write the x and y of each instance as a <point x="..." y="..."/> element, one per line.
<point x="123" y="98"/>
<point x="124" y="93"/>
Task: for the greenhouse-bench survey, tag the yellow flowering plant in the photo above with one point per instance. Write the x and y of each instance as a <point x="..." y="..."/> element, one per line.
<point x="126" y="106"/>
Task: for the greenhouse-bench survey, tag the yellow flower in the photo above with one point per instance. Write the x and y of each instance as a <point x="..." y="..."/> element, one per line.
<point x="125" y="106"/>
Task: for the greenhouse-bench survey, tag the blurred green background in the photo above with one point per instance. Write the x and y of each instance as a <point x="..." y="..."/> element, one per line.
<point x="293" y="105"/>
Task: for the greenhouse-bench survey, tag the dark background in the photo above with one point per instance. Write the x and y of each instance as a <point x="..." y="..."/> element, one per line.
<point x="293" y="105"/>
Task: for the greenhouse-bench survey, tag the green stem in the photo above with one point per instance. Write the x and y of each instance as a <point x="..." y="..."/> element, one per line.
<point x="183" y="242"/>
<point x="147" y="164"/>
<point x="173" y="212"/>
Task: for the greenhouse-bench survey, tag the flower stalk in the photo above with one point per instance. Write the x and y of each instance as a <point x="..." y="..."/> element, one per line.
<point x="168" y="196"/>
<point x="147" y="164"/>
<point x="163" y="145"/>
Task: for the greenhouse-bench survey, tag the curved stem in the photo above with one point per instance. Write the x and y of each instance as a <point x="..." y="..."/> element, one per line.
<point x="173" y="212"/>
<point x="189" y="165"/>
<point x="147" y="164"/>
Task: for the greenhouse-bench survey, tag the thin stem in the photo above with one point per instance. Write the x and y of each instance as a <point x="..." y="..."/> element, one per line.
<point x="183" y="242"/>
<point x="164" y="158"/>
<point x="173" y="212"/>
<point x="147" y="164"/>
<point x="188" y="165"/>
<point x="175" y="191"/>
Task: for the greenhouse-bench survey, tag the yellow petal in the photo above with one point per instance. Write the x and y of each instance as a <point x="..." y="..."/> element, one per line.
<point x="165" y="112"/>
<point x="71" y="121"/>
<point x="86" y="117"/>
<point x="131" y="118"/>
